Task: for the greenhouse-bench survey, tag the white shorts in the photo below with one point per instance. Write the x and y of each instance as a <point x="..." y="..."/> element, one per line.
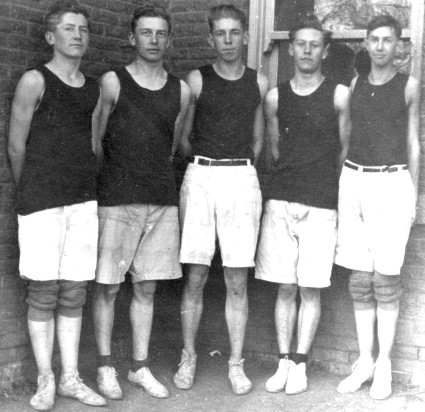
<point x="223" y="202"/>
<point x="59" y="243"/>
<point x="297" y="244"/>
<point x="141" y="239"/>
<point x="376" y="211"/>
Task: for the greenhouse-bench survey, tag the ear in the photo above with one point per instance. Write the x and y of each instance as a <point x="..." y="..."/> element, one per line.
<point x="131" y="38"/>
<point x="246" y="38"/>
<point x="325" y="52"/>
<point x="49" y="38"/>
<point x="291" y="49"/>
<point x="210" y="40"/>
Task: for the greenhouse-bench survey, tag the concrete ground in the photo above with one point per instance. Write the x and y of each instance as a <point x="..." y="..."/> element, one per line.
<point x="211" y="391"/>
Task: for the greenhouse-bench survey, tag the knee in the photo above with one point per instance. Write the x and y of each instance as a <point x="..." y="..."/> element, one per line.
<point x="361" y="290"/>
<point x="72" y="297"/>
<point x="41" y="299"/>
<point x="105" y="292"/>
<point x="287" y="291"/>
<point x="144" y="290"/>
<point x="387" y="290"/>
<point x="310" y="295"/>
<point x="195" y="283"/>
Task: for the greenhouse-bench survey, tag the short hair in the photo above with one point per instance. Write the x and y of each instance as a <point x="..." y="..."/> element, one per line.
<point x="310" y="21"/>
<point x="150" y="10"/>
<point x="384" y="20"/>
<point x="58" y="9"/>
<point x="226" y="11"/>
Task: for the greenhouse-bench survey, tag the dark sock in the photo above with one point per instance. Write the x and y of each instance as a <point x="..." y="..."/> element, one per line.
<point x="104" y="360"/>
<point x="284" y="355"/>
<point x="137" y="364"/>
<point x="299" y="358"/>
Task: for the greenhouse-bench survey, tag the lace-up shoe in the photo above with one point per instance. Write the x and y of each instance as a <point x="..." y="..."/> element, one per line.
<point x="241" y="385"/>
<point x="44" y="399"/>
<point x="362" y="372"/>
<point x="185" y="376"/>
<point x="107" y="382"/>
<point x="144" y="378"/>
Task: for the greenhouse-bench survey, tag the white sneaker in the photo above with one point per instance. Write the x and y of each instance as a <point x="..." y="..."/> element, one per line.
<point x="297" y="378"/>
<point x="144" y="378"/>
<point x="107" y="382"/>
<point x="241" y="385"/>
<point x="185" y="376"/>
<point x="278" y="381"/>
<point x="362" y="372"/>
<point x="382" y="378"/>
<point x="44" y="399"/>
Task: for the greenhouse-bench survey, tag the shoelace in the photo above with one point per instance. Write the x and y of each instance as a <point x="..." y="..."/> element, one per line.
<point x="238" y="371"/>
<point x="79" y="384"/>
<point x="110" y="374"/>
<point x="186" y="364"/>
<point x="44" y="385"/>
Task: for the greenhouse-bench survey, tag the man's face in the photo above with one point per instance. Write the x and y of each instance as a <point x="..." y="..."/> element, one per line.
<point x="381" y="45"/>
<point x="71" y="36"/>
<point x="308" y="50"/>
<point x="151" y="38"/>
<point x="228" y="39"/>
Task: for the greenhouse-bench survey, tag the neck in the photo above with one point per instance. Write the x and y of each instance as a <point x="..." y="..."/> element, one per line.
<point x="381" y="75"/>
<point x="230" y="70"/>
<point x="65" y="67"/>
<point x="151" y="70"/>
<point x="306" y="83"/>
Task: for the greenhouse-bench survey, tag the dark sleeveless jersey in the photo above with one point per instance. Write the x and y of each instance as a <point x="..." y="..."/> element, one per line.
<point x="59" y="166"/>
<point x="137" y="164"/>
<point x="308" y="148"/>
<point x="379" y="117"/>
<point x="224" y="116"/>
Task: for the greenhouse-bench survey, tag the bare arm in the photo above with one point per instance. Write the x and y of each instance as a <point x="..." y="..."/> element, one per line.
<point x="179" y="123"/>
<point x="109" y="92"/>
<point x="194" y="81"/>
<point x="258" y="132"/>
<point x="413" y="146"/>
<point x="272" y="126"/>
<point x="28" y="94"/>
<point x="342" y="107"/>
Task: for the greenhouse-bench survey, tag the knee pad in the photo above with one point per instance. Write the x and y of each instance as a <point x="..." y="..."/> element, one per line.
<point x="72" y="297"/>
<point x="361" y="290"/>
<point x="41" y="299"/>
<point x="387" y="290"/>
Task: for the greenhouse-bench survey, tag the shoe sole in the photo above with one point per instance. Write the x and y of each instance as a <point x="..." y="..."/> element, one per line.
<point x="178" y="386"/>
<point x="296" y="392"/>
<point x="79" y="400"/>
<point x="113" y="398"/>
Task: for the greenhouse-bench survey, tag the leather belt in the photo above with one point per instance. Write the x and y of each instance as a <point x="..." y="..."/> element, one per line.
<point x="212" y="162"/>
<point x="373" y="169"/>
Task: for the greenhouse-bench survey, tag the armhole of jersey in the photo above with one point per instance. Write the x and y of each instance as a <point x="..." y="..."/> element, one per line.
<point x="44" y="88"/>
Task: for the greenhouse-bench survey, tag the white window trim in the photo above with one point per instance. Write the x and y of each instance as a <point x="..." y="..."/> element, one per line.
<point x="263" y="50"/>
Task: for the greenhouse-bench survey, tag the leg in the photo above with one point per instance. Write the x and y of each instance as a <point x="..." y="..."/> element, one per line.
<point x="72" y="296"/>
<point x="361" y="291"/>
<point x="41" y="299"/>
<point x="103" y="318"/>
<point x="285" y="315"/>
<point x="141" y="316"/>
<point x="236" y="309"/>
<point x="236" y="318"/>
<point x="191" y="312"/>
<point x="192" y="305"/>
<point x="387" y="294"/>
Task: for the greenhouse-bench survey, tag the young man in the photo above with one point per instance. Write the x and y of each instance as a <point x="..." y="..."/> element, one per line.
<point x="141" y="114"/>
<point x="308" y="127"/>
<point x="50" y="149"/>
<point x="220" y="195"/>
<point x="377" y="198"/>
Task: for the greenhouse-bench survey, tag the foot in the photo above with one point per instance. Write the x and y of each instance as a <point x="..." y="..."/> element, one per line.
<point x="44" y="399"/>
<point x="362" y="372"/>
<point x="107" y="382"/>
<point x="381" y="386"/>
<point x="184" y="377"/>
<point x="241" y="385"/>
<point x="297" y="378"/>
<point x="278" y="381"/>
<point x="72" y="386"/>
<point x="144" y="378"/>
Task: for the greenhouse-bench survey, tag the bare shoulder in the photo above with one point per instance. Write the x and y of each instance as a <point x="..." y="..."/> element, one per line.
<point x="263" y="83"/>
<point x="185" y="89"/>
<point x="109" y="80"/>
<point x="31" y="83"/>
<point x="194" y="81"/>
<point x="353" y="83"/>
<point x="271" y="99"/>
<point x="342" y="95"/>
<point x="412" y="88"/>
